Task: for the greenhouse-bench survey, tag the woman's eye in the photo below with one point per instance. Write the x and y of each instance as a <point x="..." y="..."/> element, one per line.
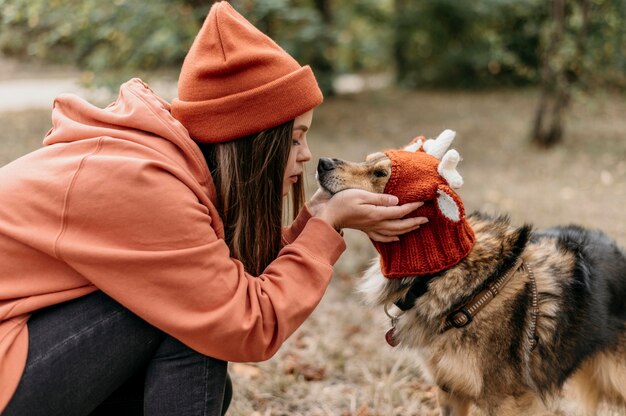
<point x="380" y="173"/>
<point x="295" y="142"/>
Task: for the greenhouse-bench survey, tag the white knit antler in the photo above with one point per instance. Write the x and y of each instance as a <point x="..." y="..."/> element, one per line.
<point x="438" y="146"/>
<point x="449" y="158"/>
<point x="415" y="146"/>
<point x="447" y="169"/>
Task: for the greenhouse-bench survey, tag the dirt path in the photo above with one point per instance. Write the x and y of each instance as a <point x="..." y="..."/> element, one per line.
<point x="27" y="86"/>
<point x="16" y="95"/>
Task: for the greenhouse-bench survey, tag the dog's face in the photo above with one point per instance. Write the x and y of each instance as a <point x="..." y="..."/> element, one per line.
<point x="335" y="175"/>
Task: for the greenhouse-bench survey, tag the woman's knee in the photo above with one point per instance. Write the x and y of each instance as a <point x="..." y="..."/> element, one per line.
<point x="180" y="380"/>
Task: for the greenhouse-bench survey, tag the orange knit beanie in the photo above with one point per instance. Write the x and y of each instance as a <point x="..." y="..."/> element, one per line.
<point x="236" y="81"/>
<point x="446" y="239"/>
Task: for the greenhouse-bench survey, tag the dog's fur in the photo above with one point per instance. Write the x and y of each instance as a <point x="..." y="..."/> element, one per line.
<point x="581" y="282"/>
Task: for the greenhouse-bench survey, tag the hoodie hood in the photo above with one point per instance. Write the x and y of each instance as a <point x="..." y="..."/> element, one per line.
<point x="138" y="115"/>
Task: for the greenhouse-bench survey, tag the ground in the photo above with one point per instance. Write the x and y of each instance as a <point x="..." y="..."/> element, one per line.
<point x="338" y="363"/>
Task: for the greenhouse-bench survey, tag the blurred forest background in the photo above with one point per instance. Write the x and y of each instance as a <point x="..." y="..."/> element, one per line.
<point x="564" y="46"/>
<point x="536" y="90"/>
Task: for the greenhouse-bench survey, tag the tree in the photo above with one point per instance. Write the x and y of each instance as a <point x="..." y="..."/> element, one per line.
<point x="450" y="43"/>
<point x="429" y="43"/>
<point x="103" y="38"/>
<point x="561" y="70"/>
<point x="585" y="49"/>
<point x="401" y="44"/>
<point x="322" y="55"/>
<point x="112" y="41"/>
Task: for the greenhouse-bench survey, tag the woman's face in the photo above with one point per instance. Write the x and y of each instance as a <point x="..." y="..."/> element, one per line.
<point x="300" y="152"/>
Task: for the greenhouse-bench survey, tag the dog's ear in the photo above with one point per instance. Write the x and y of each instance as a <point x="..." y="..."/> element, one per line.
<point x="449" y="204"/>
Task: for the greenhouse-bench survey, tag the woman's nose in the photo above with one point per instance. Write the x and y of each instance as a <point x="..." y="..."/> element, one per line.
<point x="305" y="154"/>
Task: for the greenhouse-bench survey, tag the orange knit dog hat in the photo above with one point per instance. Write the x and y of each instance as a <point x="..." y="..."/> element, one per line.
<point x="236" y="81"/>
<point x="427" y="172"/>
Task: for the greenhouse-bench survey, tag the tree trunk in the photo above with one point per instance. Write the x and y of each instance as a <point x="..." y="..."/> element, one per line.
<point x="557" y="81"/>
<point x="400" y="40"/>
<point x="321" y="60"/>
<point x="323" y="7"/>
<point x="547" y="129"/>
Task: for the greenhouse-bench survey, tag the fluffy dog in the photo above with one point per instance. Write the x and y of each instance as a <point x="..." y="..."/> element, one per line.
<point x="519" y="315"/>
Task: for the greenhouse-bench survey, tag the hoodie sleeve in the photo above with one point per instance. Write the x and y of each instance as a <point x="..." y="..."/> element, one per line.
<point x="292" y="232"/>
<point x="138" y="232"/>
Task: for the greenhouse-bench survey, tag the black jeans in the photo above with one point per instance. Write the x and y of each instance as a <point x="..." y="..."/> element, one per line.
<point x="92" y="356"/>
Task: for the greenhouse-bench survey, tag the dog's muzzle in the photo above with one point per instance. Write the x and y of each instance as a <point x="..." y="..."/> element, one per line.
<point x="326" y="171"/>
<point x="326" y="164"/>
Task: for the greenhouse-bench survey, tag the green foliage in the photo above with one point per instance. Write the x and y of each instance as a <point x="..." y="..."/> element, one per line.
<point x="449" y="43"/>
<point x="364" y="35"/>
<point x="587" y="49"/>
<point x="100" y="37"/>
<point x="440" y="43"/>
<point x="468" y="44"/>
<point x="605" y="51"/>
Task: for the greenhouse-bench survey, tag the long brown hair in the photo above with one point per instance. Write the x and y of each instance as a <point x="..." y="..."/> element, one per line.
<point x="248" y="175"/>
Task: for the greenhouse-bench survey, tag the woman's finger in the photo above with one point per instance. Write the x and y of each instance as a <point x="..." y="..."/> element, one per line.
<point x="398" y="211"/>
<point x="380" y="237"/>
<point x="382" y="200"/>
<point x="397" y="227"/>
<point x="368" y="198"/>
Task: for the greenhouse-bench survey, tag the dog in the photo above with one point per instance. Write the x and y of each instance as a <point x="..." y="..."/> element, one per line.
<point x="523" y="313"/>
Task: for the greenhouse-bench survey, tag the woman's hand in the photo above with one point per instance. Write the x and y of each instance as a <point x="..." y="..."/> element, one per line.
<point x="377" y="215"/>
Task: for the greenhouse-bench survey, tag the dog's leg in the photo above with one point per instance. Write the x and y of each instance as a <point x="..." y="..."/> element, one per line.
<point x="584" y="390"/>
<point x="600" y="378"/>
<point x="451" y="405"/>
<point x="524" y="404"/>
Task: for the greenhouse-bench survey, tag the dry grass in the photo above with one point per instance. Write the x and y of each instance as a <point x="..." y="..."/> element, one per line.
<point x="338" y="362"/>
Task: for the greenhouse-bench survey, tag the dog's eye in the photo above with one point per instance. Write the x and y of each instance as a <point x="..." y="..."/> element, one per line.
<point x="380" y="173"/>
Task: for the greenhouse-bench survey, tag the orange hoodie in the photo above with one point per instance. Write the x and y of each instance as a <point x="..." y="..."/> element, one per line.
<point x="120" y="199"/>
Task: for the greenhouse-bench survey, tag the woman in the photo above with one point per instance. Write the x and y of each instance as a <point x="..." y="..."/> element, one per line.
<point x="142" y="245"/>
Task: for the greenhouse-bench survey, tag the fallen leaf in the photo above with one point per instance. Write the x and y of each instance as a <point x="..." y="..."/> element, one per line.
<point x="245" y="370"/>
<point x="310" y="372"/>
<point x="363" y="410"/>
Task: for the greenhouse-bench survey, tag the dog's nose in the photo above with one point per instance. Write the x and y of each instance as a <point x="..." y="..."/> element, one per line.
<point x="325" y="164"/>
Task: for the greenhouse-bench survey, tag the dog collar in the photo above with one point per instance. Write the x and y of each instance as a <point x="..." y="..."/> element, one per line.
<point x="464" y="315"/>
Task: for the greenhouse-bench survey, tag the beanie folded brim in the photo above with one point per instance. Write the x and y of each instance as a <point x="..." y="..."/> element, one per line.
<point x="230" y="117"/>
